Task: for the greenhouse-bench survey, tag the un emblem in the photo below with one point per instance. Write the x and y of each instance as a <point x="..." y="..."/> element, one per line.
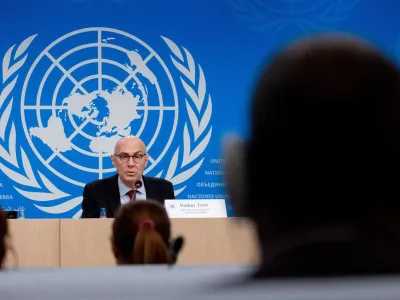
<point x="85" y="91"/>
<point x="302" y="15"/>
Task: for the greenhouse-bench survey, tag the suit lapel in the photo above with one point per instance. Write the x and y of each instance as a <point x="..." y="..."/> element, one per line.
<point x="150" y="190"/>
<point x="113" y="195"/>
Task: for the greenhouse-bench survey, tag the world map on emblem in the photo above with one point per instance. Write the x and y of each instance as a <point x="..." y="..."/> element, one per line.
<point x="93" y="94"/>
<point x="112" y="112"/>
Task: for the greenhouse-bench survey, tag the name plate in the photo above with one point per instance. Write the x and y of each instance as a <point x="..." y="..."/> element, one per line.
<point x="204" y="208"/>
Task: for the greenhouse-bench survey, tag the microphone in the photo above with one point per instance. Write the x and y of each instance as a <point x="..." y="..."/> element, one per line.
<point x="138" y="184"/>
<point x="176" y="247"/>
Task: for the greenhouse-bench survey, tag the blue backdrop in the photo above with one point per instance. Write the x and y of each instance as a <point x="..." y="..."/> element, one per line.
<point x="76" y="75"/>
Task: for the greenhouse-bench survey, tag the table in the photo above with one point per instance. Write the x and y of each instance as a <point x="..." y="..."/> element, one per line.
<point x="86" y="242"/>
<point x="36" y="242"/>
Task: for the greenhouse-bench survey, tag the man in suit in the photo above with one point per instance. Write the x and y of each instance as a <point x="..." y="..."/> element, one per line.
<point x="130" y="159"/>
<point x="320" y="173"/>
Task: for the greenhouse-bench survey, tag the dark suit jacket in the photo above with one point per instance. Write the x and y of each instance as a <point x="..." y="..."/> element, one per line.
<point x="105" y="193"/>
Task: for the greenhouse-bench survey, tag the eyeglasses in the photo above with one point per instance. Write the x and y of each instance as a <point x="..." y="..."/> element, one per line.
<point x="137" y="158"/>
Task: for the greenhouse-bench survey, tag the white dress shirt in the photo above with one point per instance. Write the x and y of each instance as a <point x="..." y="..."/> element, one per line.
<point x="123" y="190"/>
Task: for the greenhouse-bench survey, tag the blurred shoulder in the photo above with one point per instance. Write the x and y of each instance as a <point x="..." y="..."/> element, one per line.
<point x="102" y="182"/>
<point x="157" y="180"/>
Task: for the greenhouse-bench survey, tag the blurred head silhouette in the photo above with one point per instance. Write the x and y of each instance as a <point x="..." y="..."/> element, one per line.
<point x="3" y="237"/>
<point x="324" y="145"/>
<point x="141" y="234"/>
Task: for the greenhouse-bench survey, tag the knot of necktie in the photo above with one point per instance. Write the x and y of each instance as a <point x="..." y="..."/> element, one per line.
<point x="132" y="195"/>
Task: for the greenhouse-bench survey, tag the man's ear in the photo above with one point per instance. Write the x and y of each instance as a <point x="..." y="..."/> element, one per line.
<point x="234" y="153"/>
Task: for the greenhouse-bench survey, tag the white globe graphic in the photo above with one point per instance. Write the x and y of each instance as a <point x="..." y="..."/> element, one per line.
<point x="88" y="89"/>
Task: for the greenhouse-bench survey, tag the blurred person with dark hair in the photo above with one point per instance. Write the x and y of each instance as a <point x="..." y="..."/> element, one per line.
<point x="141" y="234"/>
<point x="321" y="167"/>
<point x="3" y="237"/>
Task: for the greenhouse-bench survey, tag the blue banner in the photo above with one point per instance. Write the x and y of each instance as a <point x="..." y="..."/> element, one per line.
<point x="77" y="75"/>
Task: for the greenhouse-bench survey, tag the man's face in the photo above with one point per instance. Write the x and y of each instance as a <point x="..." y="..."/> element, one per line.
<point x="130" y="160"/>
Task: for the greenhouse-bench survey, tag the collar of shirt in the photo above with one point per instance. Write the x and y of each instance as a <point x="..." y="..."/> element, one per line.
<point x="123" y="189"/>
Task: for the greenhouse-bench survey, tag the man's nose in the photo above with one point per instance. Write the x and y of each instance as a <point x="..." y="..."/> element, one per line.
<point x="131" y="162"/>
